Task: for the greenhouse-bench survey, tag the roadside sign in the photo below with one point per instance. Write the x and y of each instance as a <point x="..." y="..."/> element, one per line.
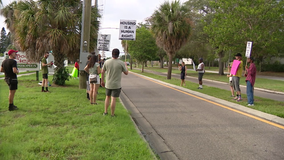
<point x="127" y="30"/>
<point x="24" y="64"/>
<point x="103" y="42"/>
<point x="248" y="49"/>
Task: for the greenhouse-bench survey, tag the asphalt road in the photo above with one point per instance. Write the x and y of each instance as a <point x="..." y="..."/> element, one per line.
<point x="182" y="124"/>
<point x="277" y="96"/>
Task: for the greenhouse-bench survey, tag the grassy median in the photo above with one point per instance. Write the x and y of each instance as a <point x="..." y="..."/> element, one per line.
<point x="63" y="125"/>
<point x="261" y="104"/>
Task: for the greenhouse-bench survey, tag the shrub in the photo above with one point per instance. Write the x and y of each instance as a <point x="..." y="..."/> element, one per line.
<point x="60" y="76"/>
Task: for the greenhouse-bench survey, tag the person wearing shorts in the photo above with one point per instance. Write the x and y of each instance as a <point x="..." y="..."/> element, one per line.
<point x="9" y="67"/>
<point x="111" y="71"/>
<point x="44" y="69"/>
<point x="237" y="76"/>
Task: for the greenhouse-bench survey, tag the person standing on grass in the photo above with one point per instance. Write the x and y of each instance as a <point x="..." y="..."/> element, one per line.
<point x="111" y="71"/>
<point x="44" y="69"/>
<point x="9" y="67"/>
<point x="237" y="77"/>
<point x="93" y="68"/>
<point x="250" y="73"/>
<point x="201" y="71"/>
<point x="231" y="81"/>
<point x="87" y="78"/>
<point x="182" y="68"/>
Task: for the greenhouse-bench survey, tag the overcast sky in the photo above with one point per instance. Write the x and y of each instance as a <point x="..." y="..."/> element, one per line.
<point x="113" y="11"/>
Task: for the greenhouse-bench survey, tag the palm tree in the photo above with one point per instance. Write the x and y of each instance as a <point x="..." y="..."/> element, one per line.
<point x="171" y="27"/>
<point x="49" y="25"/>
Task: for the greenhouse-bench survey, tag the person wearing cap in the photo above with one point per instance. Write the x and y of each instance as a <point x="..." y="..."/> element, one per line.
<point x="201" y="71"/>
<point x="237" y="76"/>
<point x="44" y="70"/>
<point x="250" y="74"/>
<point x="111" y="71"/>
<point x="9" y="67"/>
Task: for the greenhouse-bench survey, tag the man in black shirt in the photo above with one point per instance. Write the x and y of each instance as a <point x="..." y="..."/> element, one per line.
<point x="9" y="67"/>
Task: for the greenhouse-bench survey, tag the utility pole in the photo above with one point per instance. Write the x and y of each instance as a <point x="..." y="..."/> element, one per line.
<point x="85" y="41"/>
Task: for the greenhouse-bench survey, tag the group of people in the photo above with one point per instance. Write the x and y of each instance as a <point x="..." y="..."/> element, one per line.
<point x="200" y="69"/>
<point x="110" y="71"/>
<point x="234" y="79"/>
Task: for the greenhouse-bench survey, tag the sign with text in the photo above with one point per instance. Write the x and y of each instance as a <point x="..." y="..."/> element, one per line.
<point x="103" y="42"/>
<point x="235" y="67"/>
<point x="127" y="30"/>
<point x="24" y="64"/>
<point x="248" y="49"/>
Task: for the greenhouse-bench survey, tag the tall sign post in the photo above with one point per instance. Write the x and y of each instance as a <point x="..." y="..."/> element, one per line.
<point x="85" y="42"/>
<point x="127" y="31"/>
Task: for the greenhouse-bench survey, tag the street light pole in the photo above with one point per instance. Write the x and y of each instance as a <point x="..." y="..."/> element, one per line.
<point x="85" y="39"/>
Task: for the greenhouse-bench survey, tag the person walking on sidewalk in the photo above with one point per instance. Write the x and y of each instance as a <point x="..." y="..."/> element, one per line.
<point x="201" y="71"/>
<point x="44" y="69"/>
<point x="237" y="77"/>
<point x="250" y="80"/>
<point x="93" y="68"/>
<point x="111" y="71"/>
<point x="9" y="67"/>
<point x="182" y="68"/>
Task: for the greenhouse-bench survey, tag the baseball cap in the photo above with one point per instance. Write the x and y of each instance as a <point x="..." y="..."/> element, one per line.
<point x="238" y="54"/>
<point x="11" y="51"/>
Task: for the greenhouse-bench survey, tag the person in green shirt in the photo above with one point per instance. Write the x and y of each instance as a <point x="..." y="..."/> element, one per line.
<point x="237" y="76"/>
<point x="111" y="71"/>
<point x="44" y="70"/>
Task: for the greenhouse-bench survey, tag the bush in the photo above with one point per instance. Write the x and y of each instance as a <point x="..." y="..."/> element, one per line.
<point x="277" y="67"/>
<point x="60" y="76"/>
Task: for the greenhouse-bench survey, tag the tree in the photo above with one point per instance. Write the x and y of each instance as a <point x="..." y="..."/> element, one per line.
<point x="171" y="26"/>
<point x="144" y="47"/>
<point x="236" y="22"/>
<point x="3" y="41"/>
<point x="48" y="25"/>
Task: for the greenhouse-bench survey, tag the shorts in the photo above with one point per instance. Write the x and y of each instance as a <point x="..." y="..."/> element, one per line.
<point x="231" y="83"/>
<point x="12" y="83"/>
<point x="236" y="83"/>
<point x="200" y="75"/>
<point x="44" y="76"/>
<point x="113" y="92"/>
<point x="98" y="80"/>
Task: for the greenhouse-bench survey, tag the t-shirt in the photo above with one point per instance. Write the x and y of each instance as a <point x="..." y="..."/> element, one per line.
<point x="94" y="69"/>
<point x="8" y="65"/>
<point x="199" y="67"/>
<point x="113" y="69"/>
<point x="240" y="70"/>
<point x="44" y="69"/>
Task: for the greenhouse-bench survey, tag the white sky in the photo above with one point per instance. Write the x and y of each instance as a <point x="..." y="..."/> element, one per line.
<point x="113" y="11"/>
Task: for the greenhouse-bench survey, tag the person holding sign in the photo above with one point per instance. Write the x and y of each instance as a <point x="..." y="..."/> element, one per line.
<point x="182" y="68"/>
<point x="250" y="73"/>
<point x="237" y="74"/>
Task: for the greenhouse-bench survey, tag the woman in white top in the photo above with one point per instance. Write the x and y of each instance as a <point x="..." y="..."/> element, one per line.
<point x="93" y="68"/>
<point x="201" y="71"/>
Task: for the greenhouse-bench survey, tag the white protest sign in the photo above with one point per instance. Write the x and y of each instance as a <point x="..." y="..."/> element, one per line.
<point x="103" y="42"/>
<point x="24" y="64"/>
<point x="248" y="49"/>
<point x="127" y="30"/>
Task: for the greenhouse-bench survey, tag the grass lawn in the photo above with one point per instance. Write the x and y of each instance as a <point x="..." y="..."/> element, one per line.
<point x="63" y="125"/>
<point x="274" y="85"/>
<point x="261" y="104"/>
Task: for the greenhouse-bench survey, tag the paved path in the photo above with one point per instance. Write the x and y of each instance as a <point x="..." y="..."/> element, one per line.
<point x="182" y="124"/>
<point x="259" y="92"/>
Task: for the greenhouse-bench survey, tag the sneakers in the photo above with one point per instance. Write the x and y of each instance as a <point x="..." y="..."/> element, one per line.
<point x="236" y="98"/>
<point x="12" y="108"/>
<point x="199" y="88"/>
<point x="250" y="104"/>
<point x="104" y="114"/>
<point x="239" y="99"/>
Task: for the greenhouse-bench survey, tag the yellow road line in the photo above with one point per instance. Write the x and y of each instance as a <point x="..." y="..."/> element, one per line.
<point x="217" y="104"/>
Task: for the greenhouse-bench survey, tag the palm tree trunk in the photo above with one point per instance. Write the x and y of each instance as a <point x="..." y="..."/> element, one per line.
<point x="162" y="62"/>
<point x="170" y="66"/>
<point x="58" y="60"/>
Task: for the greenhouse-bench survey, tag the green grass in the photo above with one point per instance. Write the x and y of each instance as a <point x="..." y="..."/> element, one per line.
<point x="63" y="125"/>
<point x="269" y="84"/>
<point x="261" y="104"/>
